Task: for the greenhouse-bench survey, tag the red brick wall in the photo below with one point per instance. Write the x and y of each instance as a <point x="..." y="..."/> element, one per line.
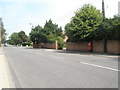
<point x="113" y="46"/>
<point x="70" y="46"/>
<point x="49" y="45"/>
<point x="46" y="45"/>
<point x="98" y="46"/>
<point x="80" y="46"/>
<point x="40" y="45"/>
<point x="35" y="45"/>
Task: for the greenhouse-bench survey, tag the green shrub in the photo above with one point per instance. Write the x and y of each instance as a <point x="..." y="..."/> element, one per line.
<point x="59" y="39"/>
<point x="60" y="42"/>
<point x="26" y="43"/>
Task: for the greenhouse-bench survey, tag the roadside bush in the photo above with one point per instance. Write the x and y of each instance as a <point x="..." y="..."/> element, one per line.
<point x="26" y="43"/>
<point x="59" y="39"/>
<point x="60" y="42"/>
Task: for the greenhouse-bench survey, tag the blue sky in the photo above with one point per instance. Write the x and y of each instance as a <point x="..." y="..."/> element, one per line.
<point x="17" y="14"/>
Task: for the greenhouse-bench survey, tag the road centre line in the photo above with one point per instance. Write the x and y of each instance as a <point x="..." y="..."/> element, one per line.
<point x="100" y="66"/>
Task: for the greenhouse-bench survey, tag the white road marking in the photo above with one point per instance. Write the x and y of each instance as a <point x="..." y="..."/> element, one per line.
<point x="100" y="66"/>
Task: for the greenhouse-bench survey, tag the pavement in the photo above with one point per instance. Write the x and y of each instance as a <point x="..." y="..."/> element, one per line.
<point x="46" y="68"/>
<point x="83" y="53"/>
<point x="78" y="52"/>
<point x="5" y="79"/>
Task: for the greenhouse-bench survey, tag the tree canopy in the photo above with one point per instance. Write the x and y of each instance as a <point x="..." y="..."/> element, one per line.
<point x="22" y="37"/>
<point x="38" y="35"/>
<point x="18" y="38"/>
<point x="14" y="39"/>
<point x="3" y="31"/>
<point x="83" y="24"/>
<point x="109" y="29"/>
<point x="49" y="33"/>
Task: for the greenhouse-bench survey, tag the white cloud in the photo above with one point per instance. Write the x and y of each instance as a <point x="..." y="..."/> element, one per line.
<point x="20" y="0"/>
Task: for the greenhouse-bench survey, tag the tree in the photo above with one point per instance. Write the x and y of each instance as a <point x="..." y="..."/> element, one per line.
<point x="108" y="29"/>
<point x="52" y="31"/>
<point x="116" y="27"/>
<point x="83" y="24"/>
<point x="18" y="38"/>
<point x="38" y="35"/>
<point x="48" y="34"/>
<point x="22" y="37"/>
<point x="2" y="32"/>
<point x="102" y="31"/>
<point x="51" y="28"/>
<point x="14" y="39"/>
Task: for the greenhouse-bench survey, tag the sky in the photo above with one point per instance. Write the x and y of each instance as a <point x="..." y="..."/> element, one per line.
<point x="18" y="14"/>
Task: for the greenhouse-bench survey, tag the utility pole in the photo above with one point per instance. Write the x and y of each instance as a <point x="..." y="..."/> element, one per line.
<point x="105" y="40"/>
<point x="103" y="8"/>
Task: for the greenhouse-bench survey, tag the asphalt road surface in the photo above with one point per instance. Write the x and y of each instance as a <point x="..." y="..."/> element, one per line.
<point x="46" y="68"/>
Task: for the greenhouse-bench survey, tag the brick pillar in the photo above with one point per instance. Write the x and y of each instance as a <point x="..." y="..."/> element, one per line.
<point x="56" y="44"/>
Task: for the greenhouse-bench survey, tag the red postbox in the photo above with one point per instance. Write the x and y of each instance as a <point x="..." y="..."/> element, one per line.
<point x="90" y="46"/>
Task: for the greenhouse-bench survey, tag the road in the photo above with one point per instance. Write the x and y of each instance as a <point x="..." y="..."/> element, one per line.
<point x="46" y="68"/>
